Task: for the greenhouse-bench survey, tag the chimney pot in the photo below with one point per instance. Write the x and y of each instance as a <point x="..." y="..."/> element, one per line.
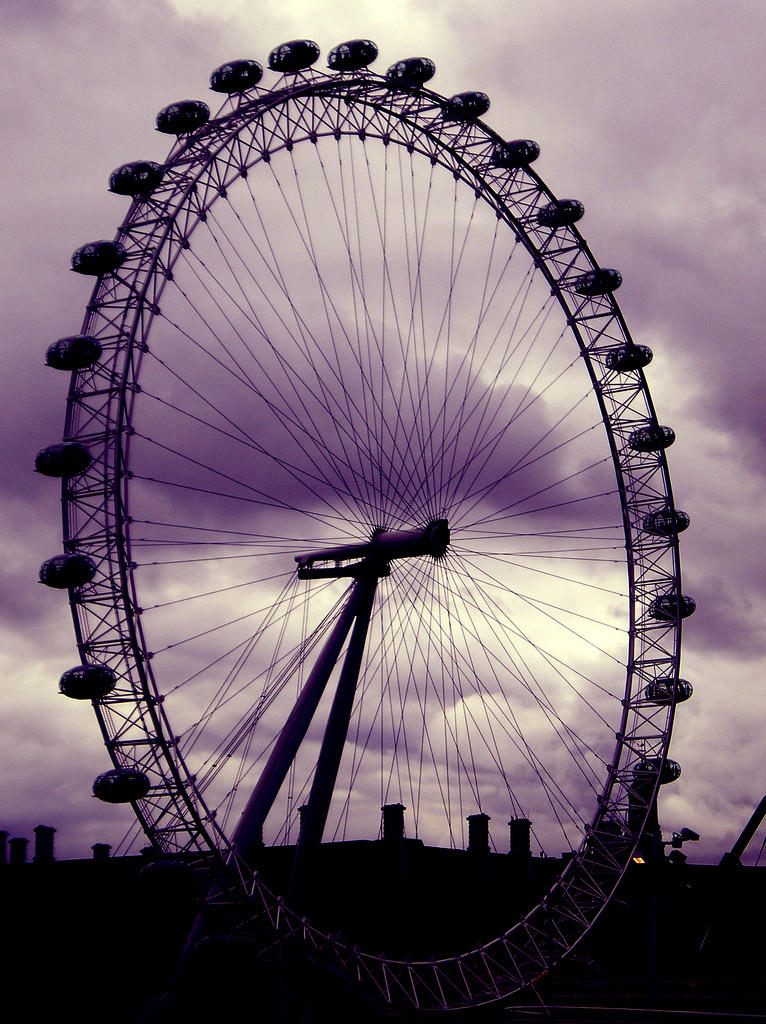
<point x="44" y="844"/>
<point x="18" y="850"/>
<point x="478" y="832"/>
<point x="393" y="822"/>
<point x="520" y="837"/>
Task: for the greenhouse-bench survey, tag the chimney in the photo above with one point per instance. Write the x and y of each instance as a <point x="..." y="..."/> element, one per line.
<point x="44" y="844"/>
<point x="101" y="851"/>
<point x="393" y="822"/>
<point x="478" y="833"/>
<point x="18" y="850"/>
<point x="520" y="837"/>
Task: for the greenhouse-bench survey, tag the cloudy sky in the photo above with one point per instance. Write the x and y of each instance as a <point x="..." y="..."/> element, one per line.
<point x="649" y="112"/>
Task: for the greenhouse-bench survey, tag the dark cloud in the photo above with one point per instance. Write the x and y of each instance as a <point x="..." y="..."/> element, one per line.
<point x="729" y="619"/>
<point x="36" y="15"/>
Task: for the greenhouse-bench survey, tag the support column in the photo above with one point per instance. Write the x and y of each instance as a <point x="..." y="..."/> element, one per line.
<point x="320" y="797"/>
<point x="249" y="834"/>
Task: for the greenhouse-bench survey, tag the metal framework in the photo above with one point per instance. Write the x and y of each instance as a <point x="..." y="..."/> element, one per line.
<point x="253" y="130"/>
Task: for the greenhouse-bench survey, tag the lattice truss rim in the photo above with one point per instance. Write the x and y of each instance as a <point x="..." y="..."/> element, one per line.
<point x="198" y="170"/>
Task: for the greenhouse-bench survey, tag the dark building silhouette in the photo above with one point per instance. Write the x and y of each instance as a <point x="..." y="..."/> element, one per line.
<point x="101" y="937"/>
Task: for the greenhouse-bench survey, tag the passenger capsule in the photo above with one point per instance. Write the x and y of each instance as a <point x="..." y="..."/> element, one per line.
<point x="87" y="682"/>
<point x="515" y="154"/>
<point x="664" y="522"/>
<point x="560" y="213"/>
<point x="65" y="571"/>
<point x="628" y="357"/>
<point x="63" y="460"/>
<point x="602" y="281"/>
<point x="660" y="691"/>
<point x="670" y="771"/>
<point x="652" y="438"/>
<point x="73" y="353"/>
<point x="97" y="258"/>
<point x="139" y="178"/>
<point x="353" y="55"/>
<point x="466" y="106"/>
<point x="294" y="56"/>
<point x="236" y="76"/>
<point x="121" y="785"/>
<point x="183" y="117"/>
<point x="412" y="71"/>
<point x="666" y="607"/>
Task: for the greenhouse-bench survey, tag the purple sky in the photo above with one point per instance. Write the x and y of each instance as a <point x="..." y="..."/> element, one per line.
<point x="651" y="113"/>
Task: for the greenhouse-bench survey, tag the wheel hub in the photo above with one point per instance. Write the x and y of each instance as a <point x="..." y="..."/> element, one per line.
<point x="374" y="556"/>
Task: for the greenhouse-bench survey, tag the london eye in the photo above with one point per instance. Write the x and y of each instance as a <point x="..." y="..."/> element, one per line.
<point x="366" y="507"/>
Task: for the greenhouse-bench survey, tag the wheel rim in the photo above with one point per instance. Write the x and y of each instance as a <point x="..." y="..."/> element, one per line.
<point x="374" y="413"/>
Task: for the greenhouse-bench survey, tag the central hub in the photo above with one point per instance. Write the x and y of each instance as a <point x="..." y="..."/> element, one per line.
<point x="374" y="556"/>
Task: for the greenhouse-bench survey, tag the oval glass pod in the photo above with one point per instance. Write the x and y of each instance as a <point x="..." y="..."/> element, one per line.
<point x="560" y="213"/>
<point x="236" y="76"/>
<point x="353" y="55"/>
<point x="121" y="786"/>
<point x="76" y="352"/>
<point x="139" y="178"/>
<point x="97" y="258"/>
<point x="644" y="772"/>
<point x="63" y="460"/>
<point x="294" y="56"/>
<point x="660" y="691"/>
<point x="665" y="522"/>
<point x="628" y="357"/>
<point x="87" y="682"/>
<point x="65" y="571"/>
<point x="601" y="281"/>
<point x="182" y="117"/>
<point x="665" y="608"/>
<point x="670" y="771"/>
<point x="514" y="154"/>
<point x="466" y="106"/>
<point x="412" y="71"/>
<point x="652" y="438"/>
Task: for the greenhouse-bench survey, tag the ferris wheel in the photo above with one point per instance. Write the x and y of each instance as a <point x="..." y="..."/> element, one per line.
<point x="366" y="505"/>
